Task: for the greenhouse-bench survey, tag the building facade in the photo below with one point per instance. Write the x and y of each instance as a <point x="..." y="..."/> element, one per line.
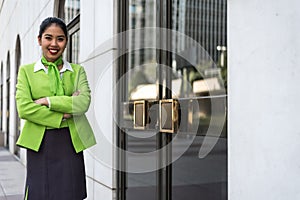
<point x="171" y="122"/>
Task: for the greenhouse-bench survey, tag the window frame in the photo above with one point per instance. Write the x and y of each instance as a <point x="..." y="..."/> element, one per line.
<point x="73" y="26"/>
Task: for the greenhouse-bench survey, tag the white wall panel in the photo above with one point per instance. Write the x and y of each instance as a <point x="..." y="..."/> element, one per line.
<point x="87" y="29"/>
<point x="264" y="74"/>
<point x="103" y="119"/>
<point x="103" y="21"/>
<point x="90" y="189"/>
<point x="95" y="27"/>
<point x="101" y="192"/>
<point x="89" y="163"/>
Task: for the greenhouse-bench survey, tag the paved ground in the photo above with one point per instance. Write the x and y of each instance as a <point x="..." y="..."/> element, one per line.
<point x="12" y="176"/>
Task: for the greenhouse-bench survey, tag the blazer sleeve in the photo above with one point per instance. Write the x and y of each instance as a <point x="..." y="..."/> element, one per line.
<point x="75" y="105"/>
<point x="28" y="109"/>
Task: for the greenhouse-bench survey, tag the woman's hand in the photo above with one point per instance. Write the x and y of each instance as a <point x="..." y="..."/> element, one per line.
<point x="76" y="93"/>
<point x="67" y="116"/>
<point x="42" y="101"/>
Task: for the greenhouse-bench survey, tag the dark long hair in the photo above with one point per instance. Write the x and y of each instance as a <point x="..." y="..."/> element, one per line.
<point x="53" y="20"/>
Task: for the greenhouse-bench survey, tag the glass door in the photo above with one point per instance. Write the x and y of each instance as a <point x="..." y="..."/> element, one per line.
<point x="138" y="99"/>
<point x="172" y="100"/>
<point x="200" y="62"/>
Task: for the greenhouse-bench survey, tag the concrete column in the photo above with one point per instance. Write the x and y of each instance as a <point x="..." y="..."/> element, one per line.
<point x="263" y="91"/>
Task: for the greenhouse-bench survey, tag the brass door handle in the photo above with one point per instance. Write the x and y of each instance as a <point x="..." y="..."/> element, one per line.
<point x="168" y="115"/>
<point x="140" y="114"/>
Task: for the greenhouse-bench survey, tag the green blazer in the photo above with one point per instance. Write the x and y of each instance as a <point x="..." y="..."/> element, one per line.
<point x="34" y="85"/>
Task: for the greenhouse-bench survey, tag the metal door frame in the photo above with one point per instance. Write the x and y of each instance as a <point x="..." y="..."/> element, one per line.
<point x="164" y="180"/>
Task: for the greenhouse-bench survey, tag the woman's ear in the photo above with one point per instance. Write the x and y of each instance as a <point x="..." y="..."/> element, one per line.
<point x="39" y="40"/>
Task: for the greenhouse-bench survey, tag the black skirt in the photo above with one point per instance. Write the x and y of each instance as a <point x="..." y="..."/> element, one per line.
<point x="56" y="171"/>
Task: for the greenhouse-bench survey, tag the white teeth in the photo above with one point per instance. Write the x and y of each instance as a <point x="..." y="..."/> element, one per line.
<point x="53" y="51"/>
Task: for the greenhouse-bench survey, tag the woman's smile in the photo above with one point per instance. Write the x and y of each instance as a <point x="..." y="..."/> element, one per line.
<point x="53" y="42"/>
<point x="53" y="51"/>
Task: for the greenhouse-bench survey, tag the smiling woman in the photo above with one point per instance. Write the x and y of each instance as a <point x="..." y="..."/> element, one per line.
<point x="53" y="39"/>
<point x="49" y="92"/>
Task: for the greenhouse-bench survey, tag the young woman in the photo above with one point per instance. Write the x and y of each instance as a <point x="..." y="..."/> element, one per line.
<point x="52" y="96"/>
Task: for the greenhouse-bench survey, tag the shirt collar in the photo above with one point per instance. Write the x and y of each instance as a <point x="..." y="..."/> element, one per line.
<point x="39" y="66"/>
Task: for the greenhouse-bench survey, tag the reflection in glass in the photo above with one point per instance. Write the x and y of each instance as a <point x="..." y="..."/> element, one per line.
<point x="142" y="62"/>
<point x="198" y="86"/>
<point x="205" y="84"/>
<point x="141" y="84"/>
<point x="205" y="22"/>
<point x="72" y="9"/>
<point x="75" y="47"/>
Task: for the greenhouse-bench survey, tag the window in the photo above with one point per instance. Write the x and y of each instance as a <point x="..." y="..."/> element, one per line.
<point x="6" y="129"/>
<point x="69" y="10"/>
<point x="72" y="18"/>
<point x="72" y="9"/>
<point x="17" y="64"/>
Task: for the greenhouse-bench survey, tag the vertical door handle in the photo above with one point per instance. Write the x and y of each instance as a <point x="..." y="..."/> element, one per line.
<point x="140" y="114"/>
<point x="168" y="115"/>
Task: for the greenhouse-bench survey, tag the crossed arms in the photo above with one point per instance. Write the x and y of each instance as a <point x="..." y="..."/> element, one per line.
<point x="37" y="111"/>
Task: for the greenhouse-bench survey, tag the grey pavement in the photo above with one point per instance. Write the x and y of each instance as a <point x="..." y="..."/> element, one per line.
<point x="12" y="176"/>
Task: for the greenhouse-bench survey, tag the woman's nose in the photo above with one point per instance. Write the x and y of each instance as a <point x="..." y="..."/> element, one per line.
<point x="53" y="42"/>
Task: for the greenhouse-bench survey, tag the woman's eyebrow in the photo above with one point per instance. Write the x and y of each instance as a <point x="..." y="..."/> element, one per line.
<point x="47" y="34"/>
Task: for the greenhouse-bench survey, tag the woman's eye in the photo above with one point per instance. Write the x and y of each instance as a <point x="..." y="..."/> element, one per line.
<point x="48" y="38"/>
<point x="60" y="39"/>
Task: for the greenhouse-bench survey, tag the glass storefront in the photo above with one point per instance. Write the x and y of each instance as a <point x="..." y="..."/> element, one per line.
<point x="173" y="100"/>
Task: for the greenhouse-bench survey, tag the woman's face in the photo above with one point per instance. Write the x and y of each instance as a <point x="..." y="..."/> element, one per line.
<point x="53" y="42"/>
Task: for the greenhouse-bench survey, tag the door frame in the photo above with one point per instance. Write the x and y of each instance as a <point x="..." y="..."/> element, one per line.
<point x="164" y="84"/>
<point x="164" y="175"/>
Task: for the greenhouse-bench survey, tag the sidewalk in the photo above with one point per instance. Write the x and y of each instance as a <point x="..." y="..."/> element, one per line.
<point x="12" y="176"/>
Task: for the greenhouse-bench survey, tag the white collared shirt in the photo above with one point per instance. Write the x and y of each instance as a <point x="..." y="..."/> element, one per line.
<point x="39" y="66"/>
